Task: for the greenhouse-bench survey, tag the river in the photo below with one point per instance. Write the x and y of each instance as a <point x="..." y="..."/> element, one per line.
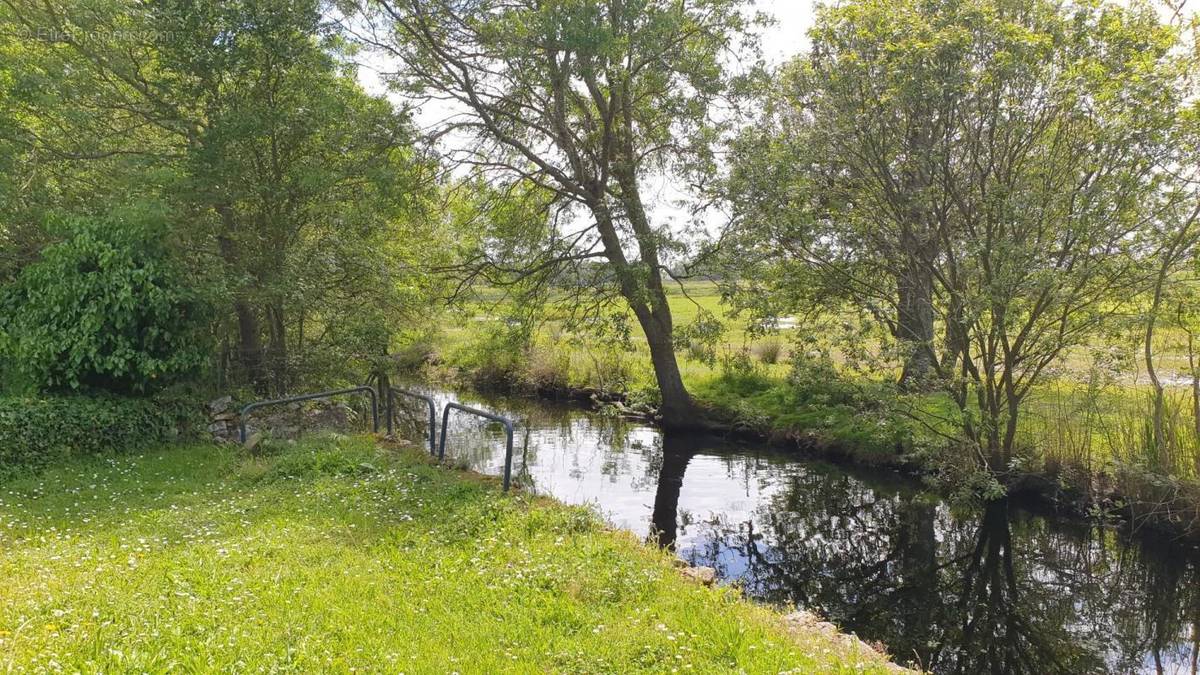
<point x="992" y="589"/>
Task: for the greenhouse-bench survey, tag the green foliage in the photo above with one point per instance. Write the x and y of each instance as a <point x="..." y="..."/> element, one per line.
<point x="104" y="309"/>
<point x="300" y="193"/>
<point x="549" y="367"/>
<point x="39" y="432"/>
<point x="983" y="179"/>
<point x="500" y="356"/>
<point x="700" y="336"/>
<point x="815" y="405"/>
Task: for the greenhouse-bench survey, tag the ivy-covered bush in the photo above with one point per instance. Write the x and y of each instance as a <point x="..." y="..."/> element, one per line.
<point x="37" y="432"/>
<point x="103" y="309"/>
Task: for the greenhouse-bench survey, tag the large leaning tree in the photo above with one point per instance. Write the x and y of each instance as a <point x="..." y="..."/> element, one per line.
<point x="587" y="101"/>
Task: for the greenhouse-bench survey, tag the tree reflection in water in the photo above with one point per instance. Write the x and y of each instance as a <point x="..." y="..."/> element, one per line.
<point x="993" y="589"/>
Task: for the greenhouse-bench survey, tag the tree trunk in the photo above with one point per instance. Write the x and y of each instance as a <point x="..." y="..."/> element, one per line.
<point x="643" y="289"/>
<point x="277" y="357"/>
<point x="1156" y="419"/>
<point x="914" y="323"/>
<point x="249" y="348"/>
<point x="678" y="410"/>
<point x="1195" y="373"/>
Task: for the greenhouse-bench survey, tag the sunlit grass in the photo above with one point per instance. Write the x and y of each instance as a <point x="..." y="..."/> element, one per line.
<point x="337" y="556"/>
<point x="1063" y="423"/>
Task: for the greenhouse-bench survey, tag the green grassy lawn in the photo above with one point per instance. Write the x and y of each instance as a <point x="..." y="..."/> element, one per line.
<point x="334" y="555"/>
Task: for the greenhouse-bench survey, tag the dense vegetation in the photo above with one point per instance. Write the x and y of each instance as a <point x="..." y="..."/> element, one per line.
<point x="36" y="433"/>
<point x="960" y="236"/>
<point x="198" y="180"/>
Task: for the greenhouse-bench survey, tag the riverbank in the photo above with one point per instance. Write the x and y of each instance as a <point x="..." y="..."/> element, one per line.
<point x="336" y="555"/>
<point x="855" y="423"/>
<point x="951" y="587"/>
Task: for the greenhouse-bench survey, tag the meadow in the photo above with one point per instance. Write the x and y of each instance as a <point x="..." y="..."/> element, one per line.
<point x="1083" y="429"/>
<point x="337" y="555"/>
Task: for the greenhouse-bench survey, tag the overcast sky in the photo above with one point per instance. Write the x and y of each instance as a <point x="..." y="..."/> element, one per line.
<point x="789" y="34"/>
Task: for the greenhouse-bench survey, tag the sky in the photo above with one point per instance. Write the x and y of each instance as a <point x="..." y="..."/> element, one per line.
<point x="786" y="37"/>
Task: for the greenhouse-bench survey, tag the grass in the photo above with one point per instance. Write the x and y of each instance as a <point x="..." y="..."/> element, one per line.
<point x="1084" y="433"/>
<point x="335" y="555"/>
<point x="845" y="418"/>
<point x="591" y="369"/>
<point x="1062" y="422"/>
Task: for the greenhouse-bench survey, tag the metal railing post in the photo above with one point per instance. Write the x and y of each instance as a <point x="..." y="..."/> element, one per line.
<point x="246" y="410"/>
<point x="508" y="429"/>
<point x="389" y="404"/>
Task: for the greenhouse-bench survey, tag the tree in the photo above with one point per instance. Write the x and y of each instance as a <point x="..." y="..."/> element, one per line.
<point x="840" y="172"/>
<point x="280" y="172"/>
<point x="1063" y="166"/>
<point x="998" y="167"/>
<point x="585" y="101"/>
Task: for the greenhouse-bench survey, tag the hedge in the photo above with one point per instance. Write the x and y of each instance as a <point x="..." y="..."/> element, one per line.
<point x="37" y="432"/>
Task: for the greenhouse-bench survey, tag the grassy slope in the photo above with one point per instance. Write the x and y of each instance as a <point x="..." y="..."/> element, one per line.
<point x="334" y="555"/>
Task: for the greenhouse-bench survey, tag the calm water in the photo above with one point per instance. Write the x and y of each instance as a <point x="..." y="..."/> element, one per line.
<point x="996" y="589"/>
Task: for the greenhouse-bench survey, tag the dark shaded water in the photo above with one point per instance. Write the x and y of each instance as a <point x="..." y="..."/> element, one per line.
<point x="994" y="589"/>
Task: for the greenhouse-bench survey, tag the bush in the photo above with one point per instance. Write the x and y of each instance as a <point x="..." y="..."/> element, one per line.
<point x="103" y="309"/>
<point x="36" y="432"/>
<point x="608" y="367"/>
<point x="500" y="356"/>
<point x="549" y="368"/>
<point x="769" y="350"/>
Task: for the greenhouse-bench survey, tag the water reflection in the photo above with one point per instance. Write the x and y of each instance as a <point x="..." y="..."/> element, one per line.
<point x="997" y="589"/>
<point x="664" y="518"/>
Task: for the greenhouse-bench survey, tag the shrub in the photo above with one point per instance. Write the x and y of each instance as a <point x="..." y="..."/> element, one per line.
<point x="737" y="362"/>
<point x="36" y="432"/>
<point x="103" y="309"/>
<point x="549" y="368"/>
<point x="499" y="357"/>
<point x="769" y="350"/>
<point x="607" y="367"/>
<point x="415" y="350"/>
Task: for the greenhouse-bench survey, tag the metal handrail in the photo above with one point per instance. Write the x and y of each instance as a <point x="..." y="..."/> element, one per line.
<point x="309" y="397"/>
<point x="508" y="427"/>
<point x="392" y="391"/>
